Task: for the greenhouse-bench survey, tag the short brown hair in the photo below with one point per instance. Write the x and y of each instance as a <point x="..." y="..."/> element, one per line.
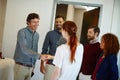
<point x="111" y="44"/>
<point x="59" y="16"/>
<point x="96" y="28"/>
<point x="32" y="16"/>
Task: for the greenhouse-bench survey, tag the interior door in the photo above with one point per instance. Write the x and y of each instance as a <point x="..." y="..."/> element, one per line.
<point x="90" y="18"/>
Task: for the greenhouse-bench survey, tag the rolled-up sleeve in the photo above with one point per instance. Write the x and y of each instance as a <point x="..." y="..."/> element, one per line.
<point x="46" y="44"/>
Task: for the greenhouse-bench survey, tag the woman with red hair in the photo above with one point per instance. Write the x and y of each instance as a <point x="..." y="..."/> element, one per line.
<point x="106" y="68"/>
<point x="68" y="57"/>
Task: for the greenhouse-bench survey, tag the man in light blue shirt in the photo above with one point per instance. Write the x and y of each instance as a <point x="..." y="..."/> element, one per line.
<point x="26" y="51"/>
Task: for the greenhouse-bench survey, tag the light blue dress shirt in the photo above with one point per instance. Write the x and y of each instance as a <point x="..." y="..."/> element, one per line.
<point x="27" y="46"/>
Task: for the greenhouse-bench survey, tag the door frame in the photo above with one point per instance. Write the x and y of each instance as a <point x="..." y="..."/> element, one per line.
<point x="74" y="3"/>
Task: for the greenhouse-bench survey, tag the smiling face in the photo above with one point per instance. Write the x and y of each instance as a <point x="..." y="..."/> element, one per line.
<point x="59" y="22"/>
<point x="33" y="24"/>
<point x="33" y="21"/>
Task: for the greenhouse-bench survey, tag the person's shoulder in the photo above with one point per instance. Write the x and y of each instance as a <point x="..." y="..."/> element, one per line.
<point x="62" y="46"/>
<point x="79" y="44"/>
<point x="37" y="33"/>
<point x="22" y="30"/>
<point x="50" y="32"/>
<point x="111" y="56"/>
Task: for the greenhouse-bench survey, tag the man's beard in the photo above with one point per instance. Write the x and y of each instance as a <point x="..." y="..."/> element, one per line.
<point x="90" y="38"/>
<point x="58" y="28"/>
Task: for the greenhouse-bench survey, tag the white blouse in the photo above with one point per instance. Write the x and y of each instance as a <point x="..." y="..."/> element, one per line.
<point x="69" y="71"/>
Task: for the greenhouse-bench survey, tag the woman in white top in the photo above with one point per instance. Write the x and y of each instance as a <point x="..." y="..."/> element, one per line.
<point x="68" y="57"/>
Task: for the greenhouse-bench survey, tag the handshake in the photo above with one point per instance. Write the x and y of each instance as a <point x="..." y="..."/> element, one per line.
<point x="45" y="57"/>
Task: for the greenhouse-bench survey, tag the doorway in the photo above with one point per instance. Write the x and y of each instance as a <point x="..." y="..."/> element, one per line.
<point x="82" y="15"/>
<point x="89" y="18"/>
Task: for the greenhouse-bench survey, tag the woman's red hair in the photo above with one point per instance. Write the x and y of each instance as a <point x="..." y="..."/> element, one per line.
<point x="71" y="28"/>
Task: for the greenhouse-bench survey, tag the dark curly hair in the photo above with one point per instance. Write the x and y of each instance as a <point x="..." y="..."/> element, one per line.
<point x="32" y="16"/>
<point x="111" y="44"/>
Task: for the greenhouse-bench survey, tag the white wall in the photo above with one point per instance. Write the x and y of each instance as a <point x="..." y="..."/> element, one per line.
<point x="16" y="13"/>
<point x="116" y="19"/>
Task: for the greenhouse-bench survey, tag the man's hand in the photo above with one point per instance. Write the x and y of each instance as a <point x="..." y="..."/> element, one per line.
<point x="45" y="57"/>
<point x="42" y="67"/>
<point x="49" y="57"/>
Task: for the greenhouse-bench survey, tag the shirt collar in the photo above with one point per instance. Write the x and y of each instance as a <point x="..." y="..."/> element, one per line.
<point x="93" y="41"/>
<point x="57" y="31"/>
<point x="30" y="30"/>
